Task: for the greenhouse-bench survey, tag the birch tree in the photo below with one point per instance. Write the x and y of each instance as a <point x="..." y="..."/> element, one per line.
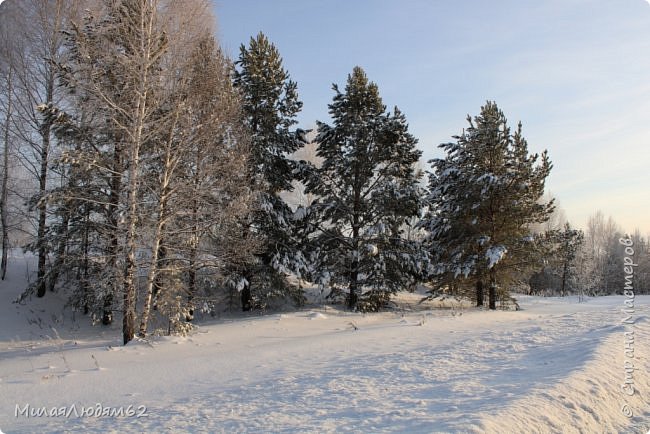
<point x="157" y="159"/>
<point x="38" y="42"/>
<point x="7" y="71"/>
<point x="203" y="185"/>
<point x="128" y="38"/>
<point x="219" y="169"/>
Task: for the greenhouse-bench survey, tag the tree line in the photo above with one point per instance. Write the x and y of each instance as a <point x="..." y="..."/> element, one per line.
<point x="590" y="262"/>
<point x="156" y="176"/>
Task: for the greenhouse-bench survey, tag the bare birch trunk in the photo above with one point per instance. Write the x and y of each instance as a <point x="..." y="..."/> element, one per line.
<point x="42" y="189"/>
<point x="161" y="216"/>
<point x="5" y="177"/>
<point x="113" y="249"/>
<point x="146" y="24"/>
<point x="55" y="40"/>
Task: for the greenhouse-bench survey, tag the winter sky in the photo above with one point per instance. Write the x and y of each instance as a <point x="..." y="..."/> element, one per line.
<point x="575" y="72"/>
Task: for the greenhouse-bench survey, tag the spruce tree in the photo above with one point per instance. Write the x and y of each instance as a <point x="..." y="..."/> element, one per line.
<point x="483" y="197"/>
<point x="367" y="189"/>
<point x="270" y="104"/>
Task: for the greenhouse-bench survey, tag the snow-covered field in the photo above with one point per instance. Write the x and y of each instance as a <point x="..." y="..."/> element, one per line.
<point x="555" y="366"/>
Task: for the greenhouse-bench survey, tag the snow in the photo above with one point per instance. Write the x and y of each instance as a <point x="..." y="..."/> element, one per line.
<point x="373" y="250"/>
<point x="300" y="213"/>
<point x="494" y="255"/>
<point x="241" y="284"/>
<point x="555" y="366"/>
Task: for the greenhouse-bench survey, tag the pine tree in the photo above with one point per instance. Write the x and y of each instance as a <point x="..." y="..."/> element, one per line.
<point x="270" y="103"/>
<point x="86" y="239"/>
<point x="569" y="243"/>
<point x="367" y="190"/>
<point x="79" y="207"/>
<point x="483" y="198"/>
<point x="559" y="262"/>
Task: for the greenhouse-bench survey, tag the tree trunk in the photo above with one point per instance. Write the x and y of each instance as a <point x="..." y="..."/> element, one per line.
<point x="60" y="253"/>
<point x="128" y="319"/>
<point x="354" y="267"/>
<point x="191" y="290"/>
<point x="354" y="285"/>
<point x="146" y="40"/>
<point x="492" y="292"/>
<point x="493" y="296"/>
<point x="114" y="203"/>
<point x="86" y="261"/>
<point x="153" y="271"/>
<point x="246" y="294"/>
<point x="158" y="284"/>
<point x="42" y="204"/>
<point x="161" y="216"/>
<point x="194" y="240"/>
<point x="107" y="309"/>
<point x="46" y="130"/>
<point x="565" y="270"/>
<point x="129" y="314"/>
<point x="479" y="293"/>
<point x="5" y="178"/>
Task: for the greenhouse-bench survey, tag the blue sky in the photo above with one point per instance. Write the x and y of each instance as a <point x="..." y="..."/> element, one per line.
<point x="575" y="72"/>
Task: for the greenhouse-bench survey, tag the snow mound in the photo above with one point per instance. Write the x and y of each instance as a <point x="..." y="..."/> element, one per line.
<point x="588" y="398"/>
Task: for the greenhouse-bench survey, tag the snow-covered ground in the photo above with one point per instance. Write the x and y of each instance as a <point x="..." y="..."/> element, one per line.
<point x="555" y="366"/>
